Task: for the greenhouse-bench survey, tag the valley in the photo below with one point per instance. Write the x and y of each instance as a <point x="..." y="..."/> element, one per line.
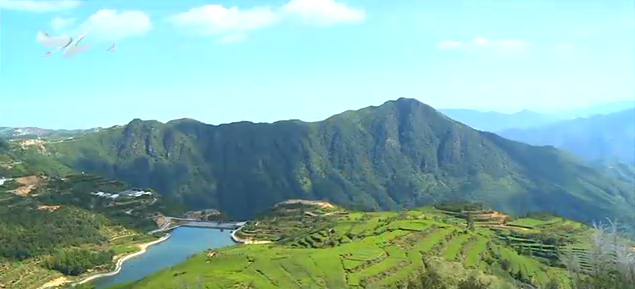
<point x="384" y="196"/>
<point x="334" y="144"/>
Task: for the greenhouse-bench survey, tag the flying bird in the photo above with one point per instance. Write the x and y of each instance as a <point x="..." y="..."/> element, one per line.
<point x="74" y="48"/>
<point x="112" y="48"/>
<point x="68" y="44"/>
<point x="54" y="42"/>
<point x="49" y="41"/>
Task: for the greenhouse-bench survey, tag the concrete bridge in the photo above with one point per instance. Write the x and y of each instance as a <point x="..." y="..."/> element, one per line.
<point x="213" y="225"/>
<point x="173" y="223"/>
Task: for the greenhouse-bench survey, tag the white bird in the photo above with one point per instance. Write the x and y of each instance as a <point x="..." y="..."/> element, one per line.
<point x="49" y="41"/>
<point x="74" y="47"/>
<point x="56" y="42"/>
<point x="112" y="48"/>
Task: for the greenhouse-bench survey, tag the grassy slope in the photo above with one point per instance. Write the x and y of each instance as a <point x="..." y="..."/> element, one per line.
<point x="383" y="249"/>
<point x="400" y="154"/>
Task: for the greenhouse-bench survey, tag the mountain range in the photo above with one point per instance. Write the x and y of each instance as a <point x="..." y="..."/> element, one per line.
<point x="34" y="132"/>
<point x="497" y="121"/>
<point x="599" y="137"/>
<point x="399" y="154"/>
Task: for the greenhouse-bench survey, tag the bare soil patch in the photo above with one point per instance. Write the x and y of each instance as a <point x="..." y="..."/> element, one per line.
<point x="55" y="283"/>
<point x="48" y="208"/>
<point x="27" y="184"/>
<point x="321" y="204"/>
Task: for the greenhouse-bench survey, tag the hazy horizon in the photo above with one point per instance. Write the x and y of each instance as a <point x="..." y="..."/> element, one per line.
<point x="553" y="113"/>
<point x="264" y="61"/>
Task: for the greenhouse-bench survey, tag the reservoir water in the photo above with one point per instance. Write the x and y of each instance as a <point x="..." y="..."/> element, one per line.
<point x="183" y="242"/>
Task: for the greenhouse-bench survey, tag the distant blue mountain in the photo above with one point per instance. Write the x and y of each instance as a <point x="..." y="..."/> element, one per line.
<point x="600" y="137"/>
<point x="496" y="121"/>
<point x="604" y="108"/>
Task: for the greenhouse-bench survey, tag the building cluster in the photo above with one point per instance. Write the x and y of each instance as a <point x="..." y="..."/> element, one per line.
<point x="125" y="194"/>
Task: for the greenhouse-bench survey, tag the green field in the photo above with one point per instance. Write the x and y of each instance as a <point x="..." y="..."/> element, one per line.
<point x="371" y="250"/>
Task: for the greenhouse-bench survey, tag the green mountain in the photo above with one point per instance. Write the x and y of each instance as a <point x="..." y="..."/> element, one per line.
<point x="400" y="154"/>
<point x="496" y="121"/>
<point x="609" y="136"/>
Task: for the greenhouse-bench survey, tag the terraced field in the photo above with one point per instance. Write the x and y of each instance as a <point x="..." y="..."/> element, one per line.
<point x="370" y="250"/>
<point x="25" y="274"/>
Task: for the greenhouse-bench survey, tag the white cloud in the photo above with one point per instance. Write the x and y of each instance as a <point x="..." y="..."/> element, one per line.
<point x="218" y="20"/>
<point x="232" y="38"/>
<point x="232" y="24"/>
<point x="59" y="24"/>
<point x="38" y="6"/>
<point x="323" y="12"/>
<point x="111" y="25"/>
<point x="503" y="46"/>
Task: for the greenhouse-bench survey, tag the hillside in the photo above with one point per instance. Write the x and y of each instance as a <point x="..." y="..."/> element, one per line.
<point x="55" y="229"/>
<point x="328" y="247"/>
<point x="600" y="137"/>
<point x="400" y="154"/>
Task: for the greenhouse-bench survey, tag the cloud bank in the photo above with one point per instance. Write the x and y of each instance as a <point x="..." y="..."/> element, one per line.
<point x="232" y="24"/>
<point x="216" y="19"/>
<point x="106" y="25"/>
<point x="112" y="25"/>
<point x="323" y="12"/>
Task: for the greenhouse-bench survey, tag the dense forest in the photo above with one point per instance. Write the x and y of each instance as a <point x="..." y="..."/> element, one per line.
<point x="77" y="261"/>
<point x="26" y="232"/>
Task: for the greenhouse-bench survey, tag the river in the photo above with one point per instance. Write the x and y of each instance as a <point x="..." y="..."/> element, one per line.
<point x="183" y="242"/>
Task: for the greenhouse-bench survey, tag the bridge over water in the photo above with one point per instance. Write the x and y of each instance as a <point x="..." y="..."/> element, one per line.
<point x="212" y="225"/>
<point x="173" y="223"/>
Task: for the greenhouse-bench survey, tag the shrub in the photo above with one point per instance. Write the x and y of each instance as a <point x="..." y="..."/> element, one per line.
<point x="612" y="261"/>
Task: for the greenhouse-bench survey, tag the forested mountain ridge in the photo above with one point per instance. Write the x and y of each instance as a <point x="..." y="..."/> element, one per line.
<point x="400" y="154"/>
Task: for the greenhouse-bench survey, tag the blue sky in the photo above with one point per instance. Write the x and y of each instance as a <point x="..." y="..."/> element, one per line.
<point x="224" y="61"/>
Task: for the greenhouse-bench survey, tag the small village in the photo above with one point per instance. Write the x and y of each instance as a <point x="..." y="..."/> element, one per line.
<point x="124" y="194"/>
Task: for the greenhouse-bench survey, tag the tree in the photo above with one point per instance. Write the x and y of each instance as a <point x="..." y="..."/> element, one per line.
<point x="472" y="283"/>
<point x="552" y="284"/>
<point x="611" y="261"/>
<point x="470" y="222"/>
<point x="505" y="264"/>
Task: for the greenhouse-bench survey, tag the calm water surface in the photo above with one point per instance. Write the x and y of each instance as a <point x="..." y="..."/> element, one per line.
<point x="183" y="242"/>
